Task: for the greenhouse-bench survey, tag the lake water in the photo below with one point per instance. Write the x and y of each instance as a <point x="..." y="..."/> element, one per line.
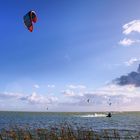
<point x="120" y="121"/>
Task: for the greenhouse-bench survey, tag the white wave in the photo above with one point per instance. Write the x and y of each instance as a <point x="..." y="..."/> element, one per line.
<point x="93" y="115"/>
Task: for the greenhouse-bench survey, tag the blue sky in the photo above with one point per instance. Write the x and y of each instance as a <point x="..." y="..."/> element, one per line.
<point x="75" y="51"/>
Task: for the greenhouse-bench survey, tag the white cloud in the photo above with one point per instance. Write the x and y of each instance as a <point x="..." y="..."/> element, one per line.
<point x="72" y="93"/>
<point x="132" y="61"/>
<point x="68" y="92"/>
<point x="99" y="100"/>
<point x="36" y="86"/>
<point x="127" y="42"/>
<point x="118" y="90"/>
<point x="133" y="26"/>
<point x="76" y="86"/>
<point x="35" y="98"/>
<point x="118" y="95"/>
<point x="128" y="28"/>
<point x="51" y="86"/>
<point x="10" y="95"/>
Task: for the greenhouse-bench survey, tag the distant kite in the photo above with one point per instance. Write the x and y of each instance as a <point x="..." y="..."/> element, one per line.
<point x="109" y="103"/>
<point x="29" y="19"/>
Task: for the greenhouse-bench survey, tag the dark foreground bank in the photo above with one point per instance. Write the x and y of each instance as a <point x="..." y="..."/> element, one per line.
<point x="66" y="132"/>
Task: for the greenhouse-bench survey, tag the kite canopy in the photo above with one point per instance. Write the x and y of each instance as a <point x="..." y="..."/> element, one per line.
<point x="29" y="19"/>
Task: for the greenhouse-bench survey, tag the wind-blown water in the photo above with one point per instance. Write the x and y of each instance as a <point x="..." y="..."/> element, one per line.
<point x="120" y="121"/>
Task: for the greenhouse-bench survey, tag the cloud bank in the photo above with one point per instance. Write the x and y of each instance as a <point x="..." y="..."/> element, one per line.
<point x="72" y="99"/>
<point x="33" y="98"/>
<point x="119" y="96"/>
<point x="132" y="78"/>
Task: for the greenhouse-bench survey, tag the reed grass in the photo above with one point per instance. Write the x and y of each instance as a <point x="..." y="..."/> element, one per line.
<point x="67" y="132"/>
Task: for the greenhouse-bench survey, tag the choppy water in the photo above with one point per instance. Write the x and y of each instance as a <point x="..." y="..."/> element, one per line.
<point x="120" y="121"/>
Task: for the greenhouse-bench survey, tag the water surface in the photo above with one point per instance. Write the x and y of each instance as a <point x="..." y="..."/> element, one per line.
<point x="120" y="121"/>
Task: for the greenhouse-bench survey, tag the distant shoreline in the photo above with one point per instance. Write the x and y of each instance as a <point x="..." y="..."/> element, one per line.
<point x="69" y="111"/>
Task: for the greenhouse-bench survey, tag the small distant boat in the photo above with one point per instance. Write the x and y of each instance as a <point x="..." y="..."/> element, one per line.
<point x="109" y="115"/>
